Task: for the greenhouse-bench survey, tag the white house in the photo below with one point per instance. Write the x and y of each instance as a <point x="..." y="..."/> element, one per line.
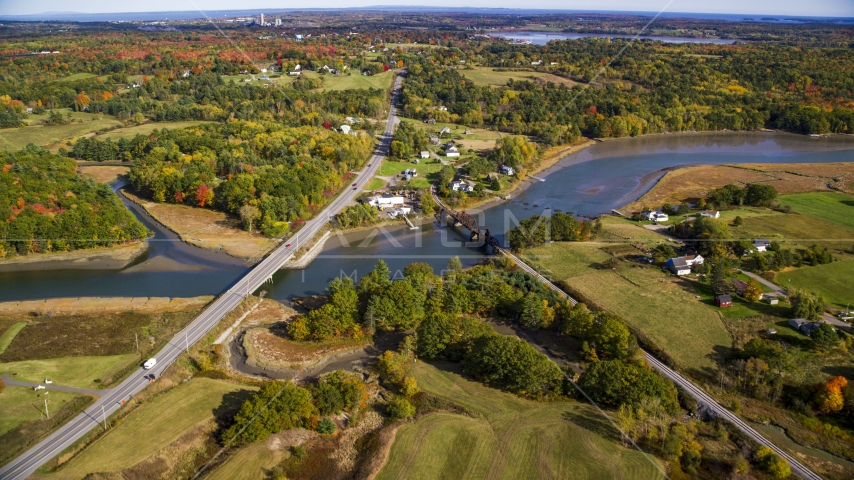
<point x="186" y="74"/>
<point x="656" y="216"/>
<point x="424" y="154"/>
<point x="263" y="70"/>
<point x="711" y="214"/>
<point x="443" y="108"/>
<point x="694" y="259"/>
<point x="444" y="131"/>
<point x="537" y="63"/>
<point x="462" y="185"/>
<point x="682" y="265"/>
<point x="761" y="245"/>
<point x="452" y="152"/>
<point x="294" y="73"/>
<point x="399" y="211"/>
<point x="678" y="265"/>
<point x="345" y="129"/>
<point x="385" y="200"/>
<point x="298" y="68"/>
<point x="507" y="170"/>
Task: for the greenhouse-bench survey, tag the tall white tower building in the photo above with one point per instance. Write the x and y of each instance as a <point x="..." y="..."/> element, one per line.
<point x="262" y="19"/>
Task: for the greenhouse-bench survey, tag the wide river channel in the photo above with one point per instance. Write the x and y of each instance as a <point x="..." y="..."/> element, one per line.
<point x="590" y="182"/>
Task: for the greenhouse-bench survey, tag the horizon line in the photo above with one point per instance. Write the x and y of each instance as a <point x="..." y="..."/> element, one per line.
<point x="439" y="8"/>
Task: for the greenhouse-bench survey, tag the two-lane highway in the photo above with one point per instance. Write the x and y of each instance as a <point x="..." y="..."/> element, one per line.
<point x="112" y="400"/>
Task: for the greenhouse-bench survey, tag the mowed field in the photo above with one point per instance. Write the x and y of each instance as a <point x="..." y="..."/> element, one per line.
<point x="488" y="76"/>
<point x="19" y="404"/>
<point x="512" y="438"/>
<point x="480" y="138"/>
<point x="353" y="81"/>
<point x="660" y="305"/>
<point x="79" y="372"/>
<point x="798" y="230"/>
<point x="835" y="208"/>
<point x="14" y="139"/>
<point x="153" y="426"/>
<point x="145" y="129"/>
<point x="835" y="281"/>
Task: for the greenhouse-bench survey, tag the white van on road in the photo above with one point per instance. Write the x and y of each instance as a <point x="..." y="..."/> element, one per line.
<point x="151" y="362"/>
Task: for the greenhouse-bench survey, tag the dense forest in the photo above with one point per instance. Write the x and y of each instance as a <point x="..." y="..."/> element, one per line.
<point x="649" y="87"/>
<point x="269" y="174"/>
<point x="46" y="207"/>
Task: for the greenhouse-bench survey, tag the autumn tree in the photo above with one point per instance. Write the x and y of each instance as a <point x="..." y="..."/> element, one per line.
<point x="829" y="398"/>
<point x="753" y="291"/>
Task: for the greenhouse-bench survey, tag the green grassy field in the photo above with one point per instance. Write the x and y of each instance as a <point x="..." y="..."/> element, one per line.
<point x="353" y="81"/>
<point x="145" y="129"/>
<point x="153" y="426"/>
<point x="666" y="309"/>
<point x="68" y="371"/>
<point x="391" y="168"/>
<point x="10" y="334"/>
<point x="835" y="208"/>
<point x="376" y="184"/>
<point x="835" y="281"/>
<point x="479" y="139"/>
<point x="17" y="138"/>
<point x="622" y="229"/>
<point x="249" y="463"/>
<point x="487" y="76"/>
<point x="76" y="76"/>
<point x="512" y="438"/>
<point x="275" y="79"/>
<point x="20" y="404"/>
<point x="796" y="230"/>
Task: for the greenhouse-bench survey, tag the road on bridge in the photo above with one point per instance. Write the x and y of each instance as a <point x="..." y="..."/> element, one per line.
<point x="112" y="400"/>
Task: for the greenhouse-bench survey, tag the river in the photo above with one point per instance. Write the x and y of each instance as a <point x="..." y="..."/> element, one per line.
<point x="542" y="38"/>
<point x="590" y="182"/>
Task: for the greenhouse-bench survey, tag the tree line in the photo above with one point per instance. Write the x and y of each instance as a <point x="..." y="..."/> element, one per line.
<point x="45" y="206"/>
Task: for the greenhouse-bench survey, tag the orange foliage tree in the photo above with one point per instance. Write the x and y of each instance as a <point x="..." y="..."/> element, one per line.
<point x="829" y="397"/>
<point x="204" y="195"/>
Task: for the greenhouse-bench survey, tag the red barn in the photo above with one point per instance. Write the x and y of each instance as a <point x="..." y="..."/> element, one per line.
<point x="723" y="301"/>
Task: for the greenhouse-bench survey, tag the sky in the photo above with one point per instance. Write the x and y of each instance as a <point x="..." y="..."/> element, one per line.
<point x="812" y="8"/>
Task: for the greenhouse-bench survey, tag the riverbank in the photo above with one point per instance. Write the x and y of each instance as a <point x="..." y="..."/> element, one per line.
<point x="690" y="183"/>
<point x="207" y="229"/>
<point x="549" y="159"/>
<point x="101" y="258"/>
<point x="101" y="305"/>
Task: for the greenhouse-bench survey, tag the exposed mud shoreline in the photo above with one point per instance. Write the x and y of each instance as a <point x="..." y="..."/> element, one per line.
<point x="102" y="258"/>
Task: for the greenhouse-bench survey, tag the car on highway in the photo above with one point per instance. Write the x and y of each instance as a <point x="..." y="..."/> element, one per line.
<point x="149" y="364"/>
<point x="288" y="246"/>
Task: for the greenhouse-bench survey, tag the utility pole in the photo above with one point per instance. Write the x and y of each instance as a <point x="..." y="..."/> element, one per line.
<point x="47" y="414"/>
<point x="104" y="416"/>
<point x="186" y="342"/>
<point x="136" y="339"/>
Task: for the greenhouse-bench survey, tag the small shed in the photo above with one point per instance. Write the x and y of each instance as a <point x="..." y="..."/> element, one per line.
<point x="723" y="301"/>
<point x="772" y="331"/>
<point x="425" y="154"/>
<point x="772" y="299"/>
